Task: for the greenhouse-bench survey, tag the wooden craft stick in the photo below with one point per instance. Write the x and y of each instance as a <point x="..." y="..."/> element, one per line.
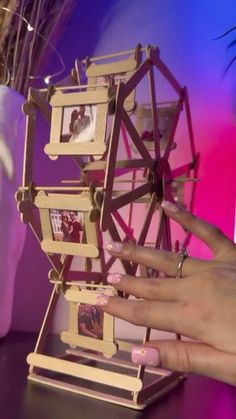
<point x="63" y="201"/>
<point x="165" y="72"/>
<point x="170" y="381"/>
<point x="56" y="125"/>
<point x="115" y="55"/>
<point x="73" y="249"/>
<point x="119" y="164"/>
<point x="189" y="122"/>
<point x="94" y="70"/>
<point x="83" y="98"/>
<point x="136" y="139"/>
<point x="147" y="220"/>
<point x="74" y="149"/>
<point x="116" y="237"/>
<point x="132" y="82"/>
<point x="29" y="143"/>
<point x="182" y="170"/>
<point x="160" y="229"/>
<point x="146" y="225"/>
<point x="112" y="157"/>
<point x="196" y="169"/>
<point x="106" y="347"/>
<point x="127" y="230"/>
<point x="39" y="99"/>
<point x="156" y="134"/>
<point x="173" y="128"/>
<point x="45" y="328"/>
<point x="36" y="228"/>
<point x="73" y="320"/>
<point x="131" y="196"/>
<point x="98" y="375"/>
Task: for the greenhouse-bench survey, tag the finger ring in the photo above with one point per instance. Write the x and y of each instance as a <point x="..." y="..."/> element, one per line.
<point x="183" y="255"/>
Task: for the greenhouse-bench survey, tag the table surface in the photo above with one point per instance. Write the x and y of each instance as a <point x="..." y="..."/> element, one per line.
<point x="196" y="398"/>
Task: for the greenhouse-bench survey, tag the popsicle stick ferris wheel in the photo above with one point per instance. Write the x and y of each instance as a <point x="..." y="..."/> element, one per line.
<point x="131" y="155"/>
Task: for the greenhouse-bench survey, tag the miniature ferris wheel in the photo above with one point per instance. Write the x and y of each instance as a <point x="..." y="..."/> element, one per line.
<point x="125" y="123"/>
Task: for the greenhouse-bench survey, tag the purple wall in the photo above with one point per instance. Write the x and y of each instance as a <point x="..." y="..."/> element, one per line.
<point x="184" y="31"/>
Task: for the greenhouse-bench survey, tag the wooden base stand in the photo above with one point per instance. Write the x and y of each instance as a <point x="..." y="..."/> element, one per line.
<point x="112" y="380"/>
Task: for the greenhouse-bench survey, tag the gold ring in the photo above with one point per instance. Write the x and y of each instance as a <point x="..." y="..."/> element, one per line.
<point x="183" y="255"/>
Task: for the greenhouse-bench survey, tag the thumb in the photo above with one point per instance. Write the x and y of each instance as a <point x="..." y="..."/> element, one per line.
<point x="187" y="357"/>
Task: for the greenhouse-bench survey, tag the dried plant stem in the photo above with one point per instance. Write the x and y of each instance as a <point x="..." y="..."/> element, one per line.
<point x="16" y="49"/>
<point x="21" y="50"/>
<point x="31" y="47"/>
<point x="24" y="52"/>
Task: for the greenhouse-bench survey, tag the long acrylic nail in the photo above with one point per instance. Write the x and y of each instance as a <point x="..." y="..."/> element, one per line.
<point x="115" y="247"/>
<point x="102" y="299"/>
<point x="145" y="355"/>
<point x="114" y="278"/>
<point x="169" y="206"/>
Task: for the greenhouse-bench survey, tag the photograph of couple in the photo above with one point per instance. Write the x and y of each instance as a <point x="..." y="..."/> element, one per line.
<point x="90" y="321"/>
<point x="67" y="226"/>
<point x="79" y="124"/>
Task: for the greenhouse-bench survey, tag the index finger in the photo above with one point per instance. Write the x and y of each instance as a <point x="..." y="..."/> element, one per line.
<point x="160" y="260"/>
<point x="209" y="234"/>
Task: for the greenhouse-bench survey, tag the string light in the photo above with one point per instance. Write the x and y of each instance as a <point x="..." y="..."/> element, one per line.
<point x="30" y="28"/>
<point x="47" y="79"/>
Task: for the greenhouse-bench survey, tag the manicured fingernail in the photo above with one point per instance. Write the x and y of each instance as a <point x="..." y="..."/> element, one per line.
<point x="102" y="299"/>
<point x="114" y="278"/>
<point x="169" y="206"/>
<point x="144" y="355"/>
<point x="116" y="247"/>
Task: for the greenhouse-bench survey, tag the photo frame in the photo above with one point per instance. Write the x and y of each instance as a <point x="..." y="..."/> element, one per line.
<point x="66" y="225"/>
<point x="79" y="121"/>
<point x="101" y="71"/>
<point x="98" y="337"/>
<point x="165" y="114"/>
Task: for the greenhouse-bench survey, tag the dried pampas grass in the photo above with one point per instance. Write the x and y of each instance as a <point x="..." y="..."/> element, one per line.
<point x="22" y="51"/>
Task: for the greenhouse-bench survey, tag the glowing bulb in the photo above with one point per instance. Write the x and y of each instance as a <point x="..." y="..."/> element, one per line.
<point x="30" y="28"/>
<point x="47" y="79"/>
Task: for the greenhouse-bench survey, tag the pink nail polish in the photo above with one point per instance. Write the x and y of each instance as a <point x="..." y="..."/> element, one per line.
<point x="102" y="299"/>
<point x="144" y="355"/>
<point x="115" y="247"/>
<point x="114" y="278"/>
<point x="169" y="206"/>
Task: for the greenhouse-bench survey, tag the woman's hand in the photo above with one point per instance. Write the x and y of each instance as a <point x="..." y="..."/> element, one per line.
<point x="201" y="305"/>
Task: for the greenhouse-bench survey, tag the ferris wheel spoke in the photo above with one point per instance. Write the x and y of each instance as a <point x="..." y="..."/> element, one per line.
<point x="156" y="134"/>
<point x="116" y="237"/>
<point x="146" y="225"/>
<point x="173" y="128"/>
<point x="182" y="170"/>
<point x="147" y="221"/>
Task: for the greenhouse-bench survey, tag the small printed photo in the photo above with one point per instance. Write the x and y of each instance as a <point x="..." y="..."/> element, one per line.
<point x="67" y="226"/>
<point x="79" y="124"/>
<point x="90" y="321"/>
